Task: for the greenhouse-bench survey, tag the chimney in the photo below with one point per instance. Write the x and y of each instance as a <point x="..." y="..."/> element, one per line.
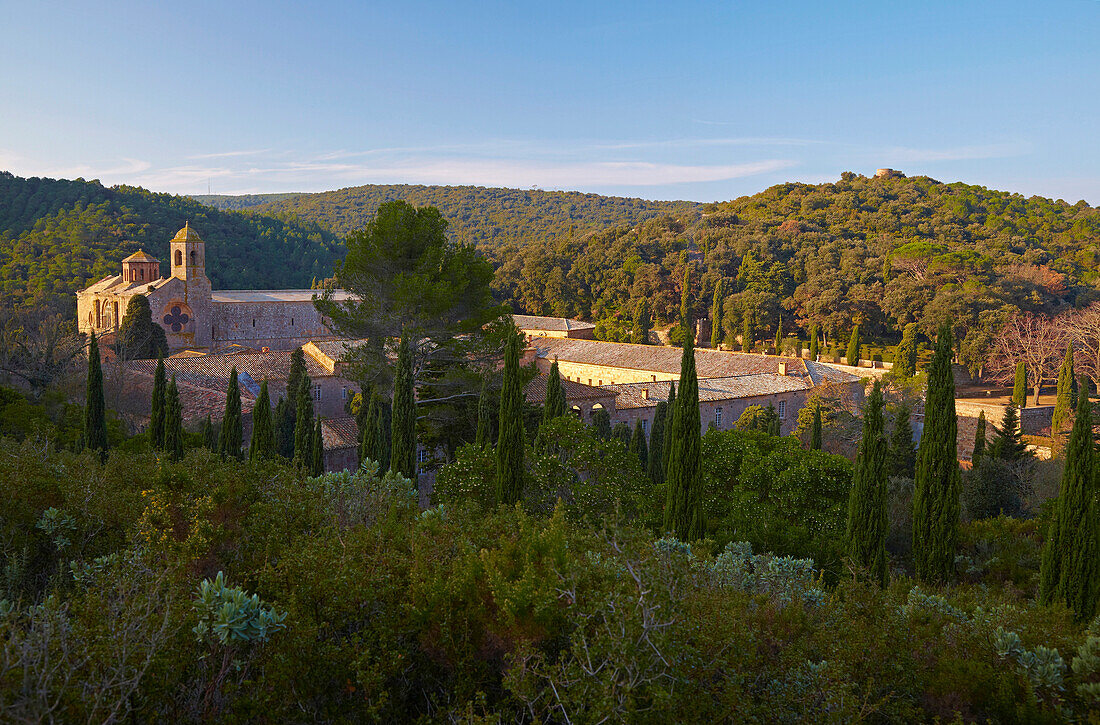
<point x="645" y="393"/>
<point x="782" y="368"/>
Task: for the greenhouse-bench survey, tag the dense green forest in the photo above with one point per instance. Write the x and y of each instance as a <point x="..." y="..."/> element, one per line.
<point x="877" y="252"/>
<point x="57" y="236"/>
<point x="488" y="217"/>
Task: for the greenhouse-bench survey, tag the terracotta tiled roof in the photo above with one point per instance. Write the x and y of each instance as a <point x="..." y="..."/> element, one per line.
<point x="339" y="433"/>
<point x="141" y="256"/>
<point x="187" y="234"/>
<point x="335" y="350"/>
<point x="196" y="400"/>
<point x="272" y="295"/>
<point x="821" y="373"/>
<point x="536" y="390"/>
<point x="657" y="358"/>
<point x="212" y="371"/>
<point x="631" y="395"/>
<point x="550" y="324"/>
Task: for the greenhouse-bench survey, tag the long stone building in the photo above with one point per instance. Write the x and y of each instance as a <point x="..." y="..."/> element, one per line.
<point x="193" y="315"/>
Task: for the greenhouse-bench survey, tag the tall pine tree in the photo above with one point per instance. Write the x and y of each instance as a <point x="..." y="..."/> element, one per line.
<point x="1070" y="571"/>
<point x="1009" y="444"/>
<point x="666" y="444"/>
<point x="383" y="436"/>
<point x="232" y="424"/>
<point x="655" y="466"/>
<point x="303" y="427"/>
<point x="779" y="337"/>
<point x="638" y="445"/>
<point x="905" y="357"/>
<point x="903" y="453"/>
<point x="555" y="395"/>
<point x="262" y="445"/>
<point x="209" y="435"/>
<point x="747" y="333"/>
<point x="717" y="312"/>
<point x="643" y="323"/>
<point x="853" y="347"/>
<point x="684" y="515"/>
<point x="368" y="447"/>
<point x="510" y="437"/>
<point x="937" y="483"/>
<point x="1062" y="402"/>
<point x="317" y="451"/>
<point x="403" y="422"/>
<point x="173" y="422"/>
<point x="866" y="532"/>
<point x="95" y="413"/>
<point x="156" y="418"/>
<point x="815" y="346"/>
<point x="815" y="429"/>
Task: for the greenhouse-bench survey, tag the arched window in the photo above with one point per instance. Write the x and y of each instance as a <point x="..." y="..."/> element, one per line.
<point x="115" y="321"/>
<point x="179" y="258"/>
<point x="98" y="315"/>
<point x="142" y="274"/>
<point x="194" y="258"/>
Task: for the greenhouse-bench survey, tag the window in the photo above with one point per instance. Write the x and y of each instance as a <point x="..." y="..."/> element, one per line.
<point x="317" y="393"/>
<point x="645" y="426"/>
<point x="344" y="393"/>
<point x="590" y="381"/>
<point x="179" y="258"/>
<point x="717" y="417"/>
<point x="142" y="275"/>
<point x="601" y="382"/>
<point x="782" y="410"/>
<point x="194" y="258"/>
<point x="421" y="455"/>
<point x="654" y="378"/>
<point x="253" y="321"/>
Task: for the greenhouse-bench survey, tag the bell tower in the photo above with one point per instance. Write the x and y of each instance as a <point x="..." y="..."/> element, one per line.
<point x="188" y="255"/>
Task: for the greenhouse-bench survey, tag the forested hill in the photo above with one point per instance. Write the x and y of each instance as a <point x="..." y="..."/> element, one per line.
<point x="57" y="236"/>
<point x="880" y="252"/>
<point x="489" y="218"/>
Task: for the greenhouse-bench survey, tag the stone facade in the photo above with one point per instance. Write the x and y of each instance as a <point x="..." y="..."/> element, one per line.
<point x="560" y="327"/>
<point x="192" y="314"/>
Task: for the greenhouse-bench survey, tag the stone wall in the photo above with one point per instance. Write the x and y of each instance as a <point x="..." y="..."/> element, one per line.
<point x="276" y="325"/>
<point x="731" y="411"/>
<point x="598" y="375"/>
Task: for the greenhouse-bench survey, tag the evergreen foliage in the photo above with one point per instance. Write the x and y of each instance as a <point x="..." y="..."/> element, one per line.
<point x="285" y="417"/>
<point x="655" y="465"/>
<point x="638" y="445"/>
<point x="209" y="435"/>
<point x="852" y="357"/>
<point x="643" y="323"/>
<point x="622" y="433"/>
<point x="684" y="514"/>
<point x="717" y="313"/>
<point x="303" y="426"/>
<point x="368" y="447"/>
<point x="779" y="337"/>
<point x="747" y="333"/>
<point x="905" y="357"/>
<point x="95" y="413"/>
<point x="317" y="451"/>
<point x="297" y="375"/>
<point x="262" y="445"/>
<point x="979" y="438"/>
<point x="815" y="347"/>
<point x="1019" y="386"/>
<point x="139" y="338"/>
<point x="510" y="467"/>
<point x="484" y="415"/>
<point x="403" y="423"/>
<point x="156" y="417"/>
<point x="555" y="395"/>
<point x="687" y="319"/>
<point x="773" y="420"/>
<point x="601" y="423"/>
<point x="903" y="452"/>
<point x="232" y="437"/>
<point x="1063" y="402"/>
<point x="1009" y="444"/>
<point x="937" y="483"/>
<point x="666" y="444"/>
<point x="383" y="438"/>
<point x="173" y="422"/>
<point x="1070" y="570"/>
<point x="815" y="430"/>
<point x="867" y="525"/>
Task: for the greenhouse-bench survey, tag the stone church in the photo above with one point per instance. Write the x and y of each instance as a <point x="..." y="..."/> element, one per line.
<point x="193" y="315"/>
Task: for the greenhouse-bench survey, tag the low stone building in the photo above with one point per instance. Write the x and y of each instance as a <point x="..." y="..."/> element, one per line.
<point x="535" y="326"/>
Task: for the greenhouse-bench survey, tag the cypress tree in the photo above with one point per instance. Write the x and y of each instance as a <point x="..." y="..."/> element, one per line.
<point x="779" y="337"/>
<point x="1009" y="443"/>
<point x="684" y="502"/>
<point x="937" y="484"/>
<point x="383" y="437"/>
<point x="655" y="466"/>
<point x="853" y="347"/>
<point x="815" y="347"/>
<point x="95" y="414"/>
<point x="232" y="425"/>
<point x="643" y="322"/>
<point x="511" y="436"/>
<point x="979" y="439"/>
<point x="284" y="418"/>
<point x="638" y="446"/>
<point x="317" y="451"/>
<point x="905" y="357"/>
<point x="209" y="436"/>
<point x="716" y="313"/>
<point x="262" y="445"/>
<point x="368" y="449"/>
<point x="815" y="430"/>
<point x="484" y="416"/>
<point x="297" y="374"/>
<point x="746" y="333"/>
<point x="555" y="395"/>
<point x="139" y="338"/>
<point x="173" y="422"/>
<point x="1062" y="402"/>
<point x="601" y="422"/>
<point x="403" y="421"/>
<point x="622" y="432"/>
<point x="773" y="420"/>
<point x="156" y="417"/>
<point x="666" y="444"/>
<point x="1019" y="386"/>
<point x="902" y="453"/>
<point x="303" y="428"/>
<point x="1070" y="570"/>
<point x="866" y="531"/>
<point x="686" y="318"/>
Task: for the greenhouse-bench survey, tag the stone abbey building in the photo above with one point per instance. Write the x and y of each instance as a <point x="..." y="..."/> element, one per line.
<point x="193" y="315"/>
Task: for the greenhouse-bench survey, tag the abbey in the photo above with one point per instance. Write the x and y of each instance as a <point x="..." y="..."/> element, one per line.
<point x="192" y="314"/>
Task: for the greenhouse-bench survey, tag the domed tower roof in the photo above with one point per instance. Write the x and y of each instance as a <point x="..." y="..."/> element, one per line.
<point x="187" y="234"/>
<point x="141" y="256"/>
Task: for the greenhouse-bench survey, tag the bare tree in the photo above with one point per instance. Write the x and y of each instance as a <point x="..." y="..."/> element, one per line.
<point x="1037" y="340"/>
<point x="38" y="346"/>
<point x="1082" y="327"/>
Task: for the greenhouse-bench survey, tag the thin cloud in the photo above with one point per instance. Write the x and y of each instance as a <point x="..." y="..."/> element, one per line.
<point x="229" y="154"/>
<point x="900" y="154"/>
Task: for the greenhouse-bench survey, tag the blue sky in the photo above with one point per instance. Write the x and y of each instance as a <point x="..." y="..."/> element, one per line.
<point x="680" y="100"/>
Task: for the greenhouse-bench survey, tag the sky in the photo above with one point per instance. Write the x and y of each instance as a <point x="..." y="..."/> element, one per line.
<point x="660" y="100"/>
